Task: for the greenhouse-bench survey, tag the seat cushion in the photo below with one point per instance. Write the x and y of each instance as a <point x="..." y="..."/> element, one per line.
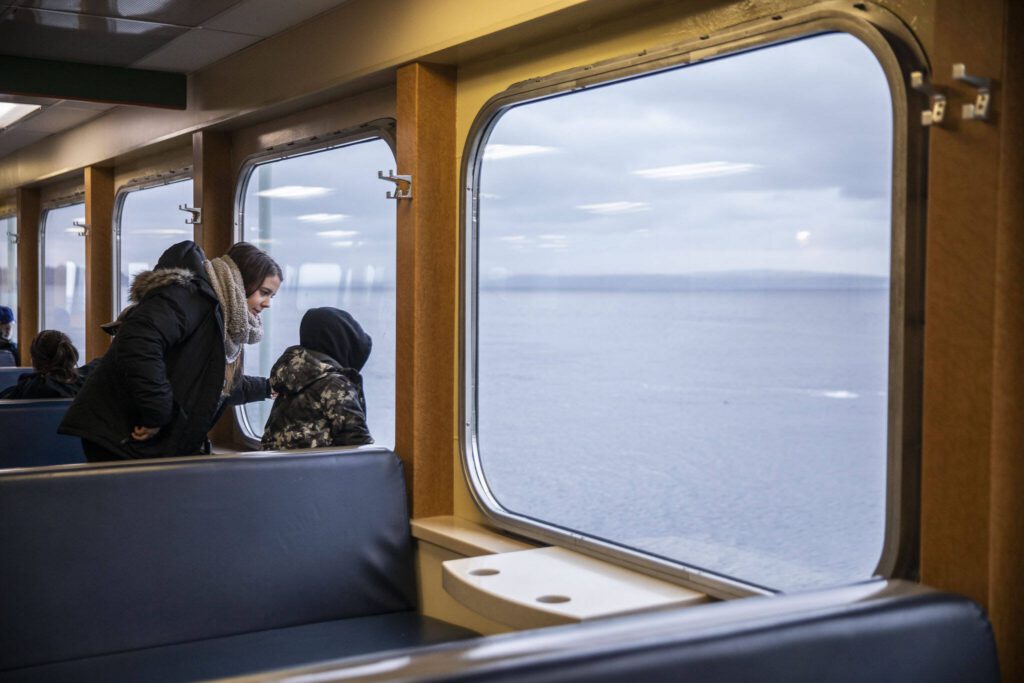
<point x="250" y="652"/>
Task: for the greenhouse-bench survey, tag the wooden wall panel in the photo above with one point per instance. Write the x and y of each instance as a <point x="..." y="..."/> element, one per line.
<point x="27" y="316"/>
<point x="1006" y="556"/>
<point x="99" y="258"/>
<point x="426" y="396"/>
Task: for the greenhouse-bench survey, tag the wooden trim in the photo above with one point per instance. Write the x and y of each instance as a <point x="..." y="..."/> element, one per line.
<point x="29" y="214"/>
<point x="426" y="409"/>
<point x="213" y="186"/>
<point x="99" y="258"/>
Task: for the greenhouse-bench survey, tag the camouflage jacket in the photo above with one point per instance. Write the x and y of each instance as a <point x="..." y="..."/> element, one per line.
<point x="319" y="403"/>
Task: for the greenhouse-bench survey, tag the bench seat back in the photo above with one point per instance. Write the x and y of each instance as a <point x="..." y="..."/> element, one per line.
<point x="30" y="438"/>
<point x="120" y="556"/>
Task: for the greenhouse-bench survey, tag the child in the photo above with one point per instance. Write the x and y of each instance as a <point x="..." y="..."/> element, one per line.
<point x="54" y="358"/>
<point x="6" y="342"/>
<point x="319" y="389"/>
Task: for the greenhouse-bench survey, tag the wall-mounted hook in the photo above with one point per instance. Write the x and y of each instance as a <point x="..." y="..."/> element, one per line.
<point x="195" y="212"/>
<point x="403" y="184"/>
<point x="937" y="101"/>
<point x="979" y="110"/>
<point x="83" y="228"/>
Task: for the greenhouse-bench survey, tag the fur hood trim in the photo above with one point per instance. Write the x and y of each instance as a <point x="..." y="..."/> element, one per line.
<point x="149" y="280"/>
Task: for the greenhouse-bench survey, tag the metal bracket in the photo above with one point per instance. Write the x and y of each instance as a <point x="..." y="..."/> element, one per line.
<point x="195" y="212"/>
<point x="936" y="100"/>
<point x="12" y="237"/>
<point x="82" y="226"/>
<point x="979" y="110"/>
<point x="403" y="184"/>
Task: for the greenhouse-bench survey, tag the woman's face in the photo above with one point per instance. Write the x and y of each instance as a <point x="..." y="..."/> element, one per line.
<point x="260" y="299"/>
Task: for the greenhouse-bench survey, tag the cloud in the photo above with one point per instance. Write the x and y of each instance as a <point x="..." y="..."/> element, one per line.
<point x="498" y="151"/>
<point x="323" y="217"/>
<point x="337" y="233"/>
<point x="295" y="192"/>
<point x="706" y="169"/>
<point x="609" y="208"/>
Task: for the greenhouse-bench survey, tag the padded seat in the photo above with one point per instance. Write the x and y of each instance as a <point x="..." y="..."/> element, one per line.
<point x="250" y="652"/>
<point x="30" y="438"/>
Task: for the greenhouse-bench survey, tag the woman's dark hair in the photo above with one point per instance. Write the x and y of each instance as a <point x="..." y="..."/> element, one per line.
<point x="53" y="354"/>
<point x="254" y="264"/>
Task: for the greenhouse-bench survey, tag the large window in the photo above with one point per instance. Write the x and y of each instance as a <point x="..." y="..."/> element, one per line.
<point x="683" y="313"/>
<point x="63" y="257"/>
<point x="149" y="221"/>
<point x="324" y="218"/>
<point x="9" y="263"/>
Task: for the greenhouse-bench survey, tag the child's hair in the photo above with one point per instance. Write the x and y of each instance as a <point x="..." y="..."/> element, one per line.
<point x="255" y="265"/>
<point x="53" y="354"/>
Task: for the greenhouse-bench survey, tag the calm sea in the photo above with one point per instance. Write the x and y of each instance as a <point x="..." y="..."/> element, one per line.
<point x="742" y="432"/>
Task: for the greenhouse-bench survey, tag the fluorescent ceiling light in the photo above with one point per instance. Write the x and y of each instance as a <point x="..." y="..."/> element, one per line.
<point x="10" y="112"/>
<point x="294" y="192"/>
<point x="707" y="169"/>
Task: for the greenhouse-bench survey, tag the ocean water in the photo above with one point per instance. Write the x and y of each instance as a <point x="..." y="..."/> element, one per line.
<point x="742" y="432"/>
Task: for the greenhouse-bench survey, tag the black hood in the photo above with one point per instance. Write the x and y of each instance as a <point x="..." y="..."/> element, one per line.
<point x="335" y="333"/>
<point x="187" y="255"/>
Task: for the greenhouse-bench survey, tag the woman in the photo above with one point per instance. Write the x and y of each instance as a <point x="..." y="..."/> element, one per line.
<point x="54" y="359"/>
<point x="319" y="389"/>
<point x="174" y="363"/>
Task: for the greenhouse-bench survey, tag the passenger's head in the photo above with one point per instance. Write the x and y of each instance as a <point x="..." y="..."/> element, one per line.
<point x="6" y="321"/>
<point x="53" y="354"/>
<point x="334" y="332"/>
<point x="261" y="276"/>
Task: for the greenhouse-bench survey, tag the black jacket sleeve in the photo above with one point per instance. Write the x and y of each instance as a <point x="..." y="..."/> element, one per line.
<point x="248" y="390"/>
<point x="157" y="324"/>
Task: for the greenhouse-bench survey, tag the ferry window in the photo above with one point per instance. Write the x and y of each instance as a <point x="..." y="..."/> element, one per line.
<point x="63" y="257"/>
<point x="325" y="219"/>
<point x="682" y="320"/>
<point x="148" y="222"/>
<point x="9" y="263"/>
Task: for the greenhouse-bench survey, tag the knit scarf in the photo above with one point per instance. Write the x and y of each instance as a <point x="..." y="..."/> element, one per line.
<point x="241" y="326"/>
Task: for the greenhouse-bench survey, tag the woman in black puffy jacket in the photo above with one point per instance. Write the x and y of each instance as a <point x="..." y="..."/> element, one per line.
<point x="174" y="364"/>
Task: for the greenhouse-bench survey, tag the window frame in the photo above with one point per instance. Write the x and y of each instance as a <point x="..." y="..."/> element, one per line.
<point x="45" y="209"/>
<point x="383" y="129"/>
<point x="119" y="200"/>
<point x="898" y="53"/>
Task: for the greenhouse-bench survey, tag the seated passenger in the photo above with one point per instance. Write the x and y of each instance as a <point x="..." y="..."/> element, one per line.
<point x="319" y="389"/>
<point x="7" y="343"/>
<point x="54" y="358"/>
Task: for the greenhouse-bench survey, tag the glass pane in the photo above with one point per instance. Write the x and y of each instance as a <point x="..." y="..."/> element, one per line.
<point x="9" y="264"/>
<point x="684" y="312"/>
<point x="64" y="274"/>
<point x="150" y="222"/>
<point x="325" y="219"/>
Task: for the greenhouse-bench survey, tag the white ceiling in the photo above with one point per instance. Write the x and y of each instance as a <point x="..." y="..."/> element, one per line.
<point x="164" y="35"/>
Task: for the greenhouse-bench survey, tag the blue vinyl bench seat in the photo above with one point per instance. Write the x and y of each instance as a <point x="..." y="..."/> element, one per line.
<point x="28" y="429"/>
<point x="196" y="568"/>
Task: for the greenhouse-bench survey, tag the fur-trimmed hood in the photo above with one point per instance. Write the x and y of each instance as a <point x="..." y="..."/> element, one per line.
<point x="150" y="280"/>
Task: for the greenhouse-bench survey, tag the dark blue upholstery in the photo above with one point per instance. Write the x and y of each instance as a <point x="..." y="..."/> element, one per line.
<point x="117" y="557"/>
<point x="28" y="434"/>
<point x="7" y="359"/>
<point x="9" y="376"/>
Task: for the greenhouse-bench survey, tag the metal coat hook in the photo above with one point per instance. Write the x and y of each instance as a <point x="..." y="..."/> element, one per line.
<point x="979" y="110"/>
<point x="936" y="101"/>
<point x="83" y="228"/>
<point x="403" y="184"/>
<point x="195" y="211"/>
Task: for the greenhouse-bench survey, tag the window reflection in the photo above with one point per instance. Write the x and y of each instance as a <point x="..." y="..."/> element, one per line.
<point x="325" y="219"/>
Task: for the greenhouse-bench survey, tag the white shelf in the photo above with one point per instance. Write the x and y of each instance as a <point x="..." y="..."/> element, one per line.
<point x="550" y="586"/>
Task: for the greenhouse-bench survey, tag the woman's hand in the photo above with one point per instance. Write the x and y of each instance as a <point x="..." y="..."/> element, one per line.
<point x="144" y="433"/>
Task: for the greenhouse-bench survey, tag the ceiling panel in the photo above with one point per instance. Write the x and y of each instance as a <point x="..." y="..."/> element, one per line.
<point x="267" y="17"/>
<point x="174" y="12"/>
<point x="195" y="50"/>
<point x="55" y="119"/>
<point x="79" y="38"/>
<point x="10" y="142"/>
